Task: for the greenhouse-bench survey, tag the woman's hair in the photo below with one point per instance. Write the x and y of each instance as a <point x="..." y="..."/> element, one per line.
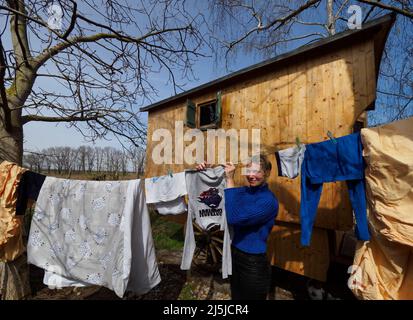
<point x="262" y="159"/>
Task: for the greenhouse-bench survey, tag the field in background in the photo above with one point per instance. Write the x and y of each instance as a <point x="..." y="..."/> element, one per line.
<point x="96" y="176"/>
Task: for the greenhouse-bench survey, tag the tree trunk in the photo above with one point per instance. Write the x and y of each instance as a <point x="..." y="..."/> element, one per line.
<point x="11" y="135"/>
<point x="14" y="275"/>
<point x="11" y="145"/>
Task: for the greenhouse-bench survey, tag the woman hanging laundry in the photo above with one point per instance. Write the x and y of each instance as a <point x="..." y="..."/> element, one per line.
<point x="251" y="211"/>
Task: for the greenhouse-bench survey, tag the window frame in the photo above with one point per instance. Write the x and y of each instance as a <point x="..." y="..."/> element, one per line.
<point x="213" y="124"/>
<point x="193" y="113"/>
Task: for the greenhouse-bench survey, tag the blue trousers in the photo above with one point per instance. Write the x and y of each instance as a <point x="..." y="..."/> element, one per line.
<point x="330" y="161"/>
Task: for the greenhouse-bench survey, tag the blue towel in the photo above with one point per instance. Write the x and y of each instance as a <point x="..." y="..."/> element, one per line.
<point x="330" y="161"/>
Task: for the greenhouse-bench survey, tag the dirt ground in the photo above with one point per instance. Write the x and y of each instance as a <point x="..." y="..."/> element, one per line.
<point x="198" y="284"/>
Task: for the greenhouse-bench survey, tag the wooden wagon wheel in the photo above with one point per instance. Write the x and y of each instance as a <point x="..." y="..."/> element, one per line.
<point x="209" y="243"/>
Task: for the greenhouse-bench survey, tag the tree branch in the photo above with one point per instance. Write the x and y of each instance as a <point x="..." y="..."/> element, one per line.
<point x="99" y="69"/>
<point x="42" y="58"/>
<point x="405" y="13"/>
<point x="29" y="118"/>
<point x="72" y="21"/>
<point x="48" y="53"/>
<point x="19" y="36"/>
<point x="402" y="109"/>
<point x="369" y="13"/>
<point x="395" y="94"/>
<point x="318" y="34"/>
<point x="280" y="21"/>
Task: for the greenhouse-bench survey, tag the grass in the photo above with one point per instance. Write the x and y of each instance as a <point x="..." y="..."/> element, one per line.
<point x="187" y="292"/>
<point x="94" y="175"/>
<point x="166" y="234"/>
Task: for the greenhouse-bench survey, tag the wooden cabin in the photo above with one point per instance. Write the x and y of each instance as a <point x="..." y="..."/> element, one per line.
<point x="324" y="86"/>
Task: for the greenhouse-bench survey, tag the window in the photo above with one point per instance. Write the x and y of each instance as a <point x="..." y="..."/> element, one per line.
<point x="207" y="113"/>
<point x="204" y="115"/>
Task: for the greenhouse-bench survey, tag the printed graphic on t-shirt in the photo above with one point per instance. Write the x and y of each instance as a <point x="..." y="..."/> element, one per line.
<point x="212" y="198"/>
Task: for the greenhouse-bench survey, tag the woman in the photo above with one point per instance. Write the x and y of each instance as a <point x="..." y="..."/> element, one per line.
<point x="251" y="211"/>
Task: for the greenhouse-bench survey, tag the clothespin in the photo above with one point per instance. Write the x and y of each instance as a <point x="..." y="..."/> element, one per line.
<point x="331" y="136"/>
<point x="297" y="141"/>
<point x="170" y="172"/>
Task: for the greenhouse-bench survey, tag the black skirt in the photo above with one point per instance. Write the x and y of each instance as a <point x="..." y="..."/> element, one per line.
<point x="251" y="275"/>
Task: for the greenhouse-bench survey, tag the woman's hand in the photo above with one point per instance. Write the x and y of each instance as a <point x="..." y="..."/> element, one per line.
<point x="229" y="170"/>
<point x="229" y="174"/>
<point x="203" y="166"/>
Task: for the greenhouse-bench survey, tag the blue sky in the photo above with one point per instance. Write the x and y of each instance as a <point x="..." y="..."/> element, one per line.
<point x="39" y="135"/>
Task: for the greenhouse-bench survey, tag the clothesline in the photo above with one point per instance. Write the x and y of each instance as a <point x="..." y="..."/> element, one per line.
<point x="74" y="219"/>
<point x="298" y="143"/>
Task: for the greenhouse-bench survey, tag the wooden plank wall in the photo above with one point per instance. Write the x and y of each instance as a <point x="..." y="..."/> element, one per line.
<point x="287" y="253"/>
<point x="321" y="93"/>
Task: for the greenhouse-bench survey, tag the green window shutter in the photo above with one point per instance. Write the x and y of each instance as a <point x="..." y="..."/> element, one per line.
<point x="190" y="114"/>
<point x="218" y="108"/>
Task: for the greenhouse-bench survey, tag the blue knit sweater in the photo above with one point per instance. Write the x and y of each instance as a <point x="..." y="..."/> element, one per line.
<point x="251" y="212"/>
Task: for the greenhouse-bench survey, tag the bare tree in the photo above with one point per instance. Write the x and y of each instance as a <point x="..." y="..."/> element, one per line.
<point x="99" y="159"/>
<point x="81" y="159"/>
<point x="48" y="162"/>
<point x="265" y="25"/>
<point x="124" y="162"/>
<point x="58" y="158"/>
<point x="96" y="56"/>
<point x="137" y="156"/>
<point x="267" y="28"/>
<point x="107" y="159"/>
<point x="34" y="161"/>
<point x="90" y="158"/>
<point x="262" y="27"/>
<point x="395" y="86"/>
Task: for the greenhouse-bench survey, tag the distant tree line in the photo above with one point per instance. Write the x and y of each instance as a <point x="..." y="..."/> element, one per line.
<point x="87" y="160"/>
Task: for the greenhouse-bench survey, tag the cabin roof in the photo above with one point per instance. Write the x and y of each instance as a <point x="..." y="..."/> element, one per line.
<point x="380" y="25"/>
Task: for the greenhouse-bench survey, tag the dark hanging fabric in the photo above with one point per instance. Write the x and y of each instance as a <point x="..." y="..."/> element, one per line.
<point x="29" y="188"/>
